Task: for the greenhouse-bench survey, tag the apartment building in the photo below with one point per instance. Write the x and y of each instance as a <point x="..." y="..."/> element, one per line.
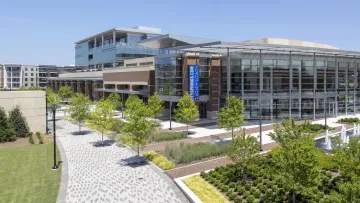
<point x="1" y="76"/>
<point x="31" y="76"/>
<point x="13" y="76"/>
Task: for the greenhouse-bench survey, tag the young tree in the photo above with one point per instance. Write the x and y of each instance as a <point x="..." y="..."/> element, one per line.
<point x="80" y="108"/>
<point x="288" y="131"/>
<point x="155" y="105"/>
<point x="115" y="100"/>
<point x="18" y="122"/>
<point x="242" y="149"/>
<point x="138" y="127"/>
<point x="102" y="117"/>
<point x="65" y="93"/>
<point x="231" y="116"/>
<point x="53" y="100"/>
<point x="7" y="132"/>
<point x="186" y="111"/>
<point x="296" y="162"/>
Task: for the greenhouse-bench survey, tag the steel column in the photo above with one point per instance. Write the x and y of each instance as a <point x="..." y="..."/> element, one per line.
<point x="336" y="86"/>
<point x="228" y="74"/>
<point x="290" y="83"/>
<point x="355" y="84"/>
<point x="314" y="87"/>
<point x="259" y="102"/>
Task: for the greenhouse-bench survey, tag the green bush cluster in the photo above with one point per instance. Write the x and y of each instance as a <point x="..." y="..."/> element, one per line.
<point x="260" y="185"/>
<point x="31" y="140"/>
<point x="349" y="120"/>
<point x="187" y="153"/>
<point x="39" y="138"/>
<point x="160" y="137"/>
<point x="7" y="132"/>
<point x="159" y="160"/>
<point x="18" y="122"/>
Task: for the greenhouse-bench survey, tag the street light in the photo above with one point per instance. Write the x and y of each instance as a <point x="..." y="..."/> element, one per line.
<point x="325" y="104"/>
<point x="46" y="109"/>
<point x="55" y="167"/>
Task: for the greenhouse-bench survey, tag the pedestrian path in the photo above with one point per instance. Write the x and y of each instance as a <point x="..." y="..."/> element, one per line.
<point x="104" y="173"/>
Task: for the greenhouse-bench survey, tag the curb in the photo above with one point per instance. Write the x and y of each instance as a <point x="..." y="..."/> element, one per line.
<point x="64" y="174"/>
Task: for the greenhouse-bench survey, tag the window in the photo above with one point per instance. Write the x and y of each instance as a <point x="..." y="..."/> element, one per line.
<point x="25" y="69"/>
<point x="32" y="79"/>
<point x="25" y="74"/>
<point x="32" y="69"/>
<point x="26" y="84"/>
<point x="32" y="74"/>
<point x="25" y="79"/>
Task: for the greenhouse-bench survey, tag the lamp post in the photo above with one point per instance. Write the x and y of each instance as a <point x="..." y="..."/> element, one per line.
<point x="325" y="104"/>
<point x="170" y="113"/>
<point x="46" y="109"/>
<point x="55" y="167"/>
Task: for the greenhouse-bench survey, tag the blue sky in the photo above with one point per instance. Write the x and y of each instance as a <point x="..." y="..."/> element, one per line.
<point x="44" y="32"/>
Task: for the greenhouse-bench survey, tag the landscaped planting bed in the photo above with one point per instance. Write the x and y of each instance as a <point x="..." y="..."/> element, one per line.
<point x="349" y="120"/>
<point x="203" y="190"/>
<point x="162" y="137"/>
<point x="259" y="184"/>
<point x="314" y="128"/>
<point x="187" y="153"/>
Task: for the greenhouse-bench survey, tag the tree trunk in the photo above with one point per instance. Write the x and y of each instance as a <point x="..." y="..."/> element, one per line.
<point x="187" y="129"/>
<point x="102" y="137"/>
<point x="79" y="127"/>
<point x="293" y="195"/>
<point x="232" y="133"/>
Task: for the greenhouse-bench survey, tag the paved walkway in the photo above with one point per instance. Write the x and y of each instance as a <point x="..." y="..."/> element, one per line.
<point x="103" y="174"/>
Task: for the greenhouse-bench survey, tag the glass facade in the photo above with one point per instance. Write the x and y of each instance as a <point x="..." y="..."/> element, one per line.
<point x="168" y="76"/>
<point x="300" y="86"/>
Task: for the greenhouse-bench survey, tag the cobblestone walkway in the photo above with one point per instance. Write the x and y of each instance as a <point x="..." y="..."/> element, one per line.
<point x="101" y="174"/>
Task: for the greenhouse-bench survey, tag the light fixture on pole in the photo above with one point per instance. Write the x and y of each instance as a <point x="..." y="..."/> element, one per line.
<point x="55" y="167"/>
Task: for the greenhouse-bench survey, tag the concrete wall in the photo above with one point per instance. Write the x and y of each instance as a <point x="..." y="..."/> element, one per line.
<point x="32" y="105"/>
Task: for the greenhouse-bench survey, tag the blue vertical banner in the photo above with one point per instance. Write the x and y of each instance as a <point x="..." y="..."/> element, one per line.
<point x="194" y="82"/>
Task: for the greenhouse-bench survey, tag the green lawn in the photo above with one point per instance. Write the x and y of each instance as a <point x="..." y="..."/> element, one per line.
<point x="26" y="175"/>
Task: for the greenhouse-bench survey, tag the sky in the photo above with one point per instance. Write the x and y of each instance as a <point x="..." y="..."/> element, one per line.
<point x="44" y="32"/>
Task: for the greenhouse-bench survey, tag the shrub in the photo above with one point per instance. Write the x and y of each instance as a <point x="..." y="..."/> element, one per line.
<point x="232" y="185"/>
<point x="18" y="122"/>
<point x="159" y="160"/>
<point x="168" y="136"/>
<point x="31" y="140"/>
<point x="327" y="161"/>
<point x="150" y="155"/>
<point x="39" y="138"/>
<point x="7" y="132"/>
<point x="349" y="120"/>
<point x="163" y="163"/>
<point x="247" y="186"/>
<point x="257" y="194"/>
<point x="203" y="190"/>
<point x="232" y="196"/>
<point x="224" y="188"/>
<point x="187" y="153"/>
<point x="250" y="198"/>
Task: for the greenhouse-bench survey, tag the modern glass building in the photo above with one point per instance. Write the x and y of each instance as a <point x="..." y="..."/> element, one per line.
<point x="110" y="48"/>
<point x="289" y="78"/>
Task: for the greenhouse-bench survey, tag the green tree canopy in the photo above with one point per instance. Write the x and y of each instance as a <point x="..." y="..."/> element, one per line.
<point x="53" y="100"/>
<point x="231" y="116"/>
<point x="242" y="149"/>
<point x="115" y="100"/>
<point x="138" y="127"/>
<point x="7" y="132"/>
<point x="80" y="108"/>
<point x="296" y="162"/>
<point x="65" y="92"/>
<point x="155" y="105"/>
<point x="18" y="122"/>
<point x="186" y="111"/>
<point x="102" y="116"/>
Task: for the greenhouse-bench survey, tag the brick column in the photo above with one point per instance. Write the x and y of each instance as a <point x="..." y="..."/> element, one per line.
<point x="213" y="104"/>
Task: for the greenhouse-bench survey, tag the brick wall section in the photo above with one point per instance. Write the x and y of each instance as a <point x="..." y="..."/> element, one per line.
<point x="214" y="84"/>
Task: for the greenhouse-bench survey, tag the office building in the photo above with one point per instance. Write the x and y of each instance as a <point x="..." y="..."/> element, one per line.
<point x="110" y="48"/>
<point x="290" y="77"/>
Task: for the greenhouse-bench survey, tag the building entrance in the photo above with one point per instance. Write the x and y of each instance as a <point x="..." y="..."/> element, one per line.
<point x="202" y="110"/>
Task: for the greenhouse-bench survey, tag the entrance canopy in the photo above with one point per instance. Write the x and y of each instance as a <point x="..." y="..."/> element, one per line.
<point x="221" y="47"/>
